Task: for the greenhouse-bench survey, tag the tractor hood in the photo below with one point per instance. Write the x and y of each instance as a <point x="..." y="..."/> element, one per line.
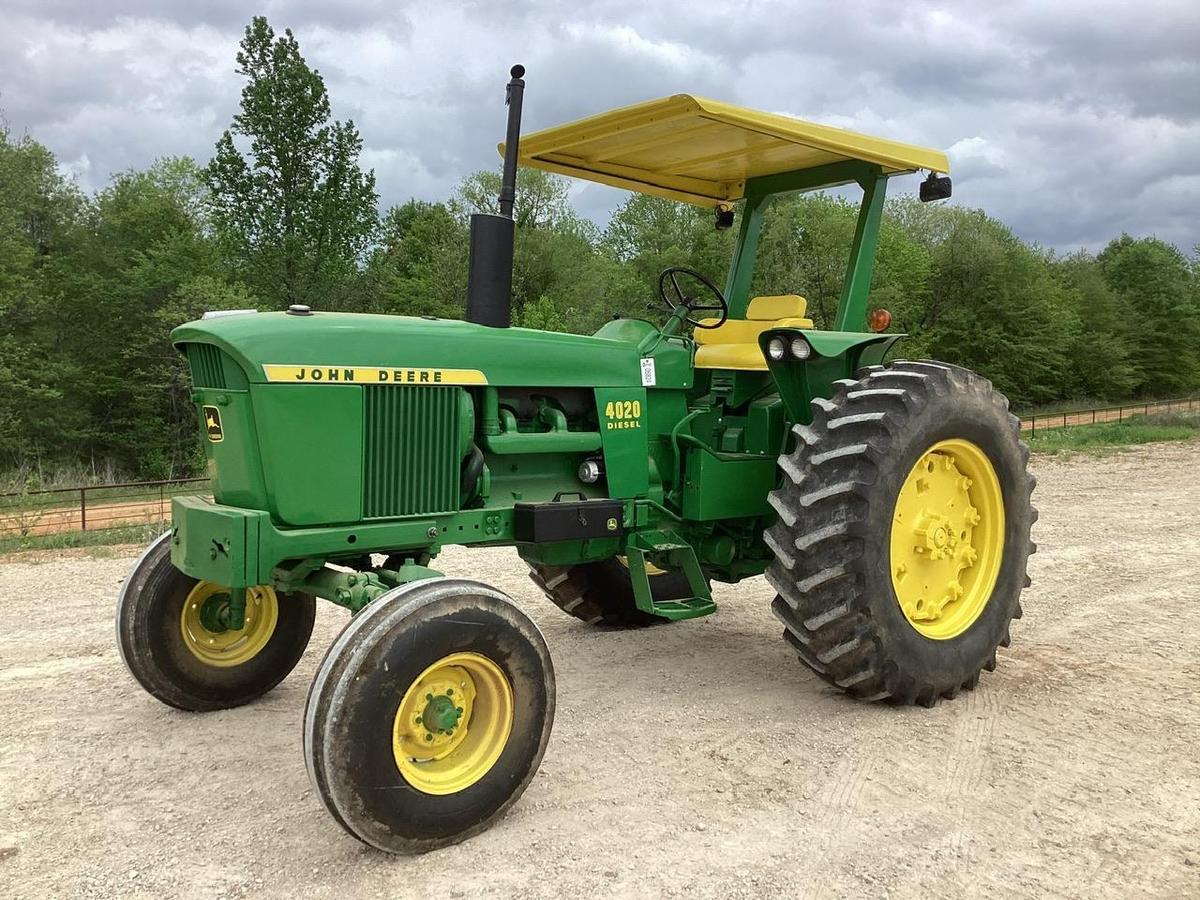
<point x="340" y="347"/>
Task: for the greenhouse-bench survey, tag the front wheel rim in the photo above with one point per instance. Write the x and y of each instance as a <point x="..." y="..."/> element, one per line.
<point x="947" y="539"/>
<point x="207" y="639"/>
<point x="452" y="723"/>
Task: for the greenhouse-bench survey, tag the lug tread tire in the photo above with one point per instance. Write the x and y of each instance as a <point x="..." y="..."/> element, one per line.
<point x="600" y="593"/>
<point x="834" y="590"/>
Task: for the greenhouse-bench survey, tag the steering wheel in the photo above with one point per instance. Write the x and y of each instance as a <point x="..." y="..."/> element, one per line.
<point x="688" y="303"/>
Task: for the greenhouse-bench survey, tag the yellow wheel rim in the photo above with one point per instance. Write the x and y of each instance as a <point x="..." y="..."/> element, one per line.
<point x="215" y="645"/>
<point x="947" y="539"/>
<point x="452" y="724"/>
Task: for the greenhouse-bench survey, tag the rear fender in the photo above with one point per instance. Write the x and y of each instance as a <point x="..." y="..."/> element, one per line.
<point x="834" y="355"/>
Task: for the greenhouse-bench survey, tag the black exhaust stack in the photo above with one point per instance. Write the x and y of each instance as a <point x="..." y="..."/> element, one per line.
<point x="489" y="275"/>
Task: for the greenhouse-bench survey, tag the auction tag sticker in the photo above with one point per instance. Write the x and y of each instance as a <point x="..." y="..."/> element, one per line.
<point x="648" y="379"/>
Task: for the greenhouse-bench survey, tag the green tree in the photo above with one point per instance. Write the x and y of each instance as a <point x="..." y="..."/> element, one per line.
<point x="542" y="313"/>
<point x="145" y="263"/>
<point x="542" y="201"/>
<point x="1157" y="290"/>
<point x="647" y="234"/>
<point x="1101" y="357"/>
<point x="996" y="308"/>
<point x="804" y="248"/>
<point x="295" y="213"/>
<point x="40" y="218"/>
<point x="419" y="265"/>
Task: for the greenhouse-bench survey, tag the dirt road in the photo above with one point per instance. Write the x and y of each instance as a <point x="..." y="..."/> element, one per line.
<point x="693" y="760"/>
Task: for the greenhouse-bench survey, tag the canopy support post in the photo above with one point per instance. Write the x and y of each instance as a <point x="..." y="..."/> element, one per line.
<point x="741" y="268"/>
<point x="852" y="307"/>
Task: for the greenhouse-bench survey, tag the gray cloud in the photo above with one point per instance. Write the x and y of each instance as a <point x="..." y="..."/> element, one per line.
<point x="1071" y="121"/>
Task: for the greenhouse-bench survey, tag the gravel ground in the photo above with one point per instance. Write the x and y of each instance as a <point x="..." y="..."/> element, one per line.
<point x="694" y="760"/>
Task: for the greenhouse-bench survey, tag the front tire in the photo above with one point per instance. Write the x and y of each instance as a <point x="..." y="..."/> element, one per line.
<point x="170" y="642"/>
<point x="429" y="715"/>
<point x="903" y="533"/>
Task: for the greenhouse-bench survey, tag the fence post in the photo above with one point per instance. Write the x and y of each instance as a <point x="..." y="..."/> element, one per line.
<point x="1093" y="416"/>
<point x="83" y="509"/>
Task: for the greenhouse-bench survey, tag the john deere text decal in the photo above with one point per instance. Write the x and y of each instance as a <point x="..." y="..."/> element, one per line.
<point x="370" y="375"/>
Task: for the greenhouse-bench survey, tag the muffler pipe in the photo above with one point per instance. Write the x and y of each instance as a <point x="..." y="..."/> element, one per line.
<point x="489" y="269"/>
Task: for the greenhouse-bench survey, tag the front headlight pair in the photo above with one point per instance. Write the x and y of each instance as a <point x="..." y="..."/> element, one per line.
<point x="778" y="348"/>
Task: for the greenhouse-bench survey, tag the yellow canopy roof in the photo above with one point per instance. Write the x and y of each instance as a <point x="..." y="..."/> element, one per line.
<point x="703" y="151"/>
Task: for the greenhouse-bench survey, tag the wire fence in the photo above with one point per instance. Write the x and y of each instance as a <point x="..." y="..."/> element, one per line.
<point x="107" y="507"/>
<point x="93" y="507"/>
<point x="1095" y="415"/>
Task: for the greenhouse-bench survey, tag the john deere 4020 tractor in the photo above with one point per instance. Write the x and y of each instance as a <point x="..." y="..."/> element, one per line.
<point x="887" y="503"/>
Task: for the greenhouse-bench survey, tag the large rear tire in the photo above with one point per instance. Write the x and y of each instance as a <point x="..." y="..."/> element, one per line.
<point x="170" y="639"/>
<point x="903" y="532"/>
<point x="429" y="715"/>
<point x="600" y="593"/>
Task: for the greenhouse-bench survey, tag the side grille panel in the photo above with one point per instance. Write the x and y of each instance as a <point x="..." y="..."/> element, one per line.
<point x="410" y="450"/>
<point x="205" y="362"/>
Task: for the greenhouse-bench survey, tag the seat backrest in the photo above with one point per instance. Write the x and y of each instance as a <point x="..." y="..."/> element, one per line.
<point x="734" y="345"/>
<point x="781" y="306"/>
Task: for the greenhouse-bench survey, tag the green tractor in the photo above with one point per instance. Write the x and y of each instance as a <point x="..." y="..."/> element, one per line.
<point x="887" y="503"/>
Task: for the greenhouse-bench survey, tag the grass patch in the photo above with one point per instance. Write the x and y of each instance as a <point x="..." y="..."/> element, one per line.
<point x="1107" y="436"/>
<point x="126" y="534"/>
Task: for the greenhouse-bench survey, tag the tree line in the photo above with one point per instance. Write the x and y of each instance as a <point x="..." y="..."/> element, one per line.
<point x="91" y="284"/>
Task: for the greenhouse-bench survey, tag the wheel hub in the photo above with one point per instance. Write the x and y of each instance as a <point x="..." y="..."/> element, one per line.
<point x="934" y="534"/>
<point x="947" y="538"/>
<point x="441" y="715"/>
<point x="452" y="723"/>
<point x="214" y="613"/>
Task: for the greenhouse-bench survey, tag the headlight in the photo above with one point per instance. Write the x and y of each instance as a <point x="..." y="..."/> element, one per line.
<point x="800" y="348"/>
<point x="776" y="349"/>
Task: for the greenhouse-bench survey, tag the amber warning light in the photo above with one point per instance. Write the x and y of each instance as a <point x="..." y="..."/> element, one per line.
<point x="879" y="319"/>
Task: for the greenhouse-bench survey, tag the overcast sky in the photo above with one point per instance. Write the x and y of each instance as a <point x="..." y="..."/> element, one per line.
<point x="1071" y="120"/>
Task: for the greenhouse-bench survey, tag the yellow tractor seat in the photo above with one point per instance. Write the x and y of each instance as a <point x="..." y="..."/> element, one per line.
<point x="734" y="345"/>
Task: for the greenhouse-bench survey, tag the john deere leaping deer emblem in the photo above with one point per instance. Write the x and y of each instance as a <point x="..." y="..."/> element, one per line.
<point x="212" y="424"/>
